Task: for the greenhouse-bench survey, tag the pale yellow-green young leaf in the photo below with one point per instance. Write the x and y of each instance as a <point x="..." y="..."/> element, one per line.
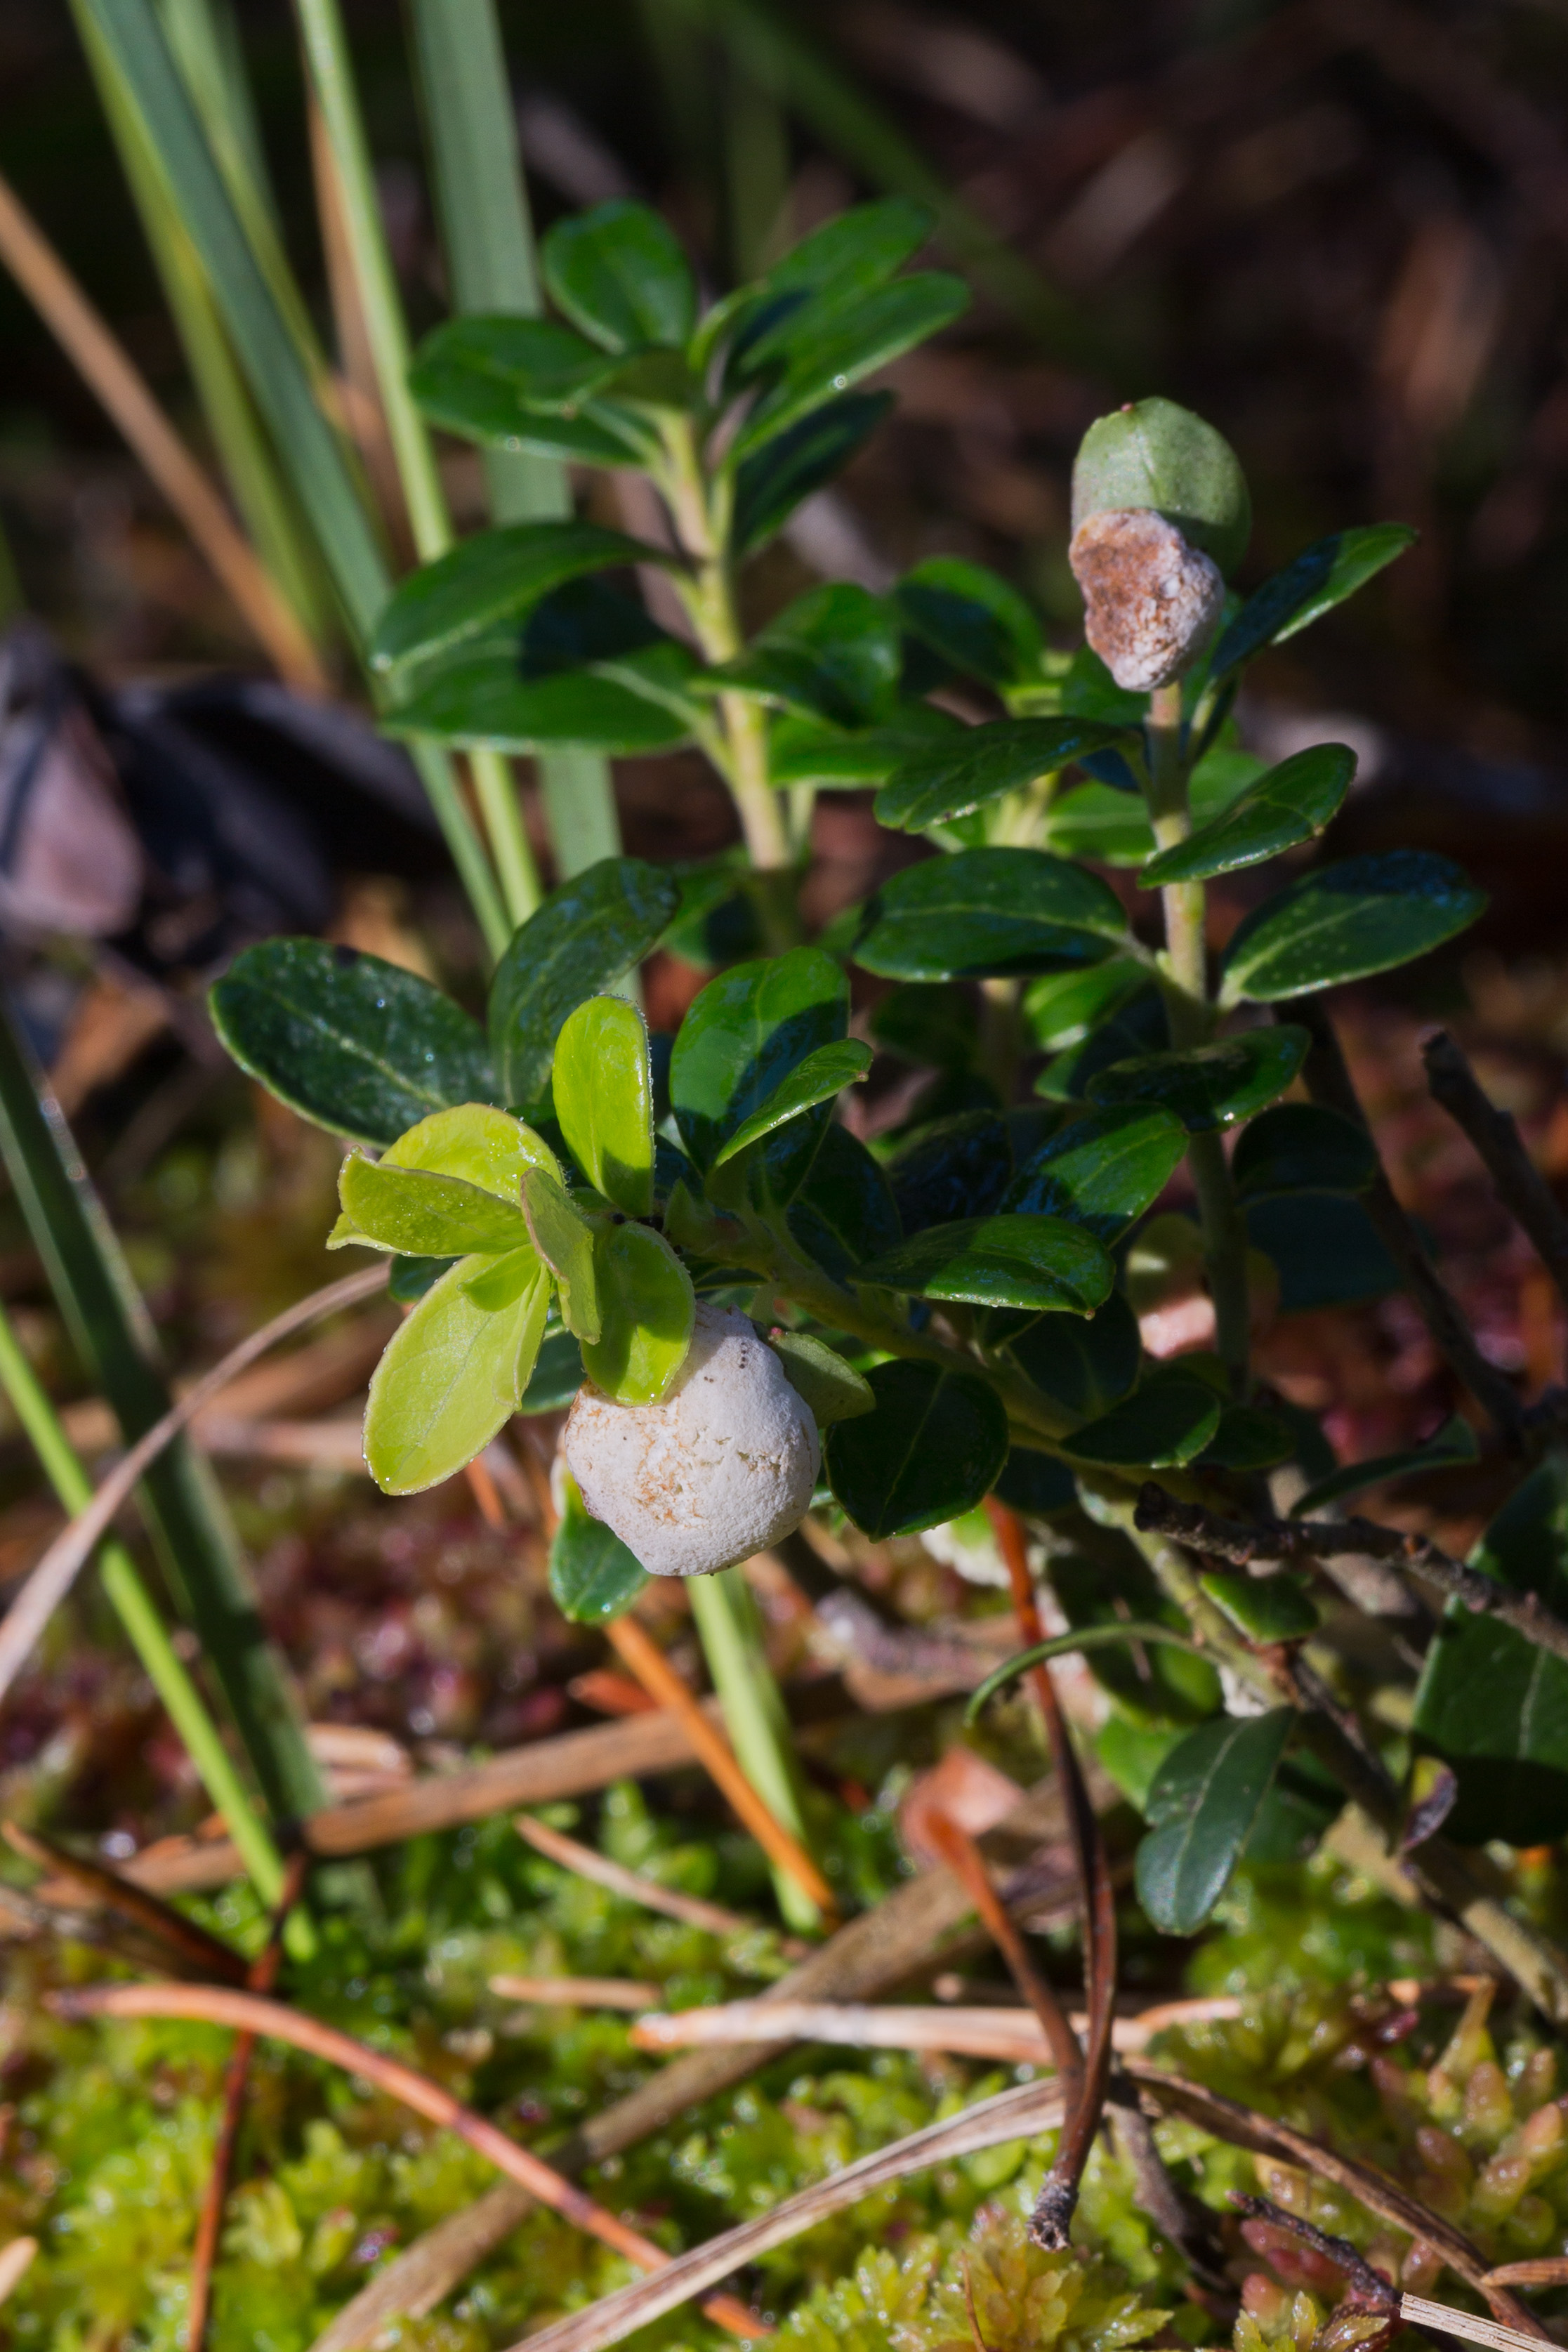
<point x="421" y="1215"/>
<point x="564" y="1238"/>
<point x="603" y="1090"/>
<point x="482" y="1145"/>
<point x="647" y="1305"/>
<point x="456" y="1370"/>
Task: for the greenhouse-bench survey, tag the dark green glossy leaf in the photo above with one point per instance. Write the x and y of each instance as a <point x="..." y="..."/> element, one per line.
<point x="1154" y="454"/>
<point x="844" y="1212"/>
<point x="483" y="375"/>
<point x="646" y="1308"/>
<point x="1248" y="1438"/>
<point x="1002" y="756"/>
<point x="1111" y="825"/>
<point x="1090" y="690"/>
<point x="1035" y="1485"/>
<point x="586" y="935"/>
<point x="843" y="345"/>
<point x="988" y="911"/>
<point x="565" y="1240"/>
<point x="973" y="618"/>
<point x="1264" y="1608"/>
<point x="1205" y="1799"/>
<point x="832" y="654"/>
<point x="818" y="1078"/>
<point x="1063" y="1008"/>
<point x="1491" y="1703"/>
<point x="1302" y="1148"/>
<point x="359" y="1047"/>
<point x="1137" y="1025"/>
<point x="1318" y="579"/>
<point x="408" y="1278"/>
<point x="743" y="1034"/>
<point x="1005" y="1261"/>
<point x="481" y="702"/>
<point x="843" y="759"/>
<point x="1291" y="804"/>
<point x="1086" y="1366"/>
<point x="601" y="1084"/>
<point x="1341" y="923"/>
<point x="1208" y="1086"/>
<point x="933" y="1447"/>
<point x="491" y="578"/>
<point x="454" y="1371"/>
<point x="956" y="1167"/>
<point x="557" y="1373"/>
<point x="771" y="483"/>
<point x="1452" y="1446"/>
<point x="1324" y="1248"/>
<point x="1164" y="1424"/>
<point x="619" y="273"/>
<point x="1102" y="1170"/>
<point x="936" y="1025"/>
<point x="833" y="1389"/>
<point x="592" y="1576"/>
<point x="847" y="258"/>
<point x="419" y="1215"/>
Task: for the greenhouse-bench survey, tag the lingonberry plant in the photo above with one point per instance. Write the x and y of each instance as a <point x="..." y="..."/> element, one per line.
<point x="756" y="1313"/>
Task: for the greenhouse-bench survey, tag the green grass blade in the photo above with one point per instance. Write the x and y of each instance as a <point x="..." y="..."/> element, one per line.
<point x="487" y="236"/>
<point x="183" y="1510"/>
<point x="729" y="1626"/>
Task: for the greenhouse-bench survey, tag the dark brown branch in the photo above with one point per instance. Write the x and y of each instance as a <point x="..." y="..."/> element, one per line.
<point x="1520" y="1187"/>
<point x="180" y="1938"/>
<point x="1329" y="1082"/>
<point x="1367" y="2285"/>
<point x="1180" y="2218"/>
<point x="1309" y="1541"/>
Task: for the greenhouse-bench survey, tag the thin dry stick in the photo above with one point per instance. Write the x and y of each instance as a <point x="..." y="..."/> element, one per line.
<point x="1544" y="2270"/>
<point x="1520" y="1187"/>
<point x="963" y="1857"/>
<point x="1012" y="2035"/>
<point x="172" y="1928"/>
<point x="1058" y="2197"/>
<point x="249" y="2012"/>
<point x="1424" y="2313"/>
<point x="261" y="1977"/>
<point x="693" y="1910"/>
<point x="1012" y="2115"/>
<point x="659" y="1679"/>
<point x="107" y="368"/>
<point x="1309" y="1540"/>
<point x="581" y="1992"/>
<point x="52" y="1579"/>
<point x="1367" y="2287"/>
<point x="1328" y="1081"/>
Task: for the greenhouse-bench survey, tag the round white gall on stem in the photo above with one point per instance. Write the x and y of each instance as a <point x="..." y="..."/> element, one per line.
<point x="1150" y="599"/>
<point x="721" y="1467"/>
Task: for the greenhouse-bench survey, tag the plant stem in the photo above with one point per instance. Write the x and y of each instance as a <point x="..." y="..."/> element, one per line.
<point x="730" y="1627"/>
<point x="149" y="1636"/>
<point x="1191" y="1018"/>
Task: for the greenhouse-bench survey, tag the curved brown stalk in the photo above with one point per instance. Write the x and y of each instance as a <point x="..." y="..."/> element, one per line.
<point x="51" y="1580"/>
<point x="249" y="2012"/>
<point x="963" y="1857"/>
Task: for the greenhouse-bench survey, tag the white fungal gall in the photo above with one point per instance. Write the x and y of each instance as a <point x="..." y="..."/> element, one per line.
<point x="1151" y="600"/>
<point x="721" y="1467"/>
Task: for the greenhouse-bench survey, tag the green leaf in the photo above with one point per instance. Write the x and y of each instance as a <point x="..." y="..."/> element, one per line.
<point x="1494" y="1704"/>
<point x="492" y="370"/>
<point x="1164" y="1424"/>
<point x="851" y="760"/>
<point x="1318" y="579"/>
<point x="1112" y="825"/>
<point x="408" y="1278"/>
<point x="1291" y="804"/>
<point x="637" y="702"/>
<point x="988" y="911"/>
<point x="1008" y="1261"/>
<point x="833" y="653"/>
<point x="743" y="1034"/>
<point x="482" y="1145"/>
<point x="1167" y="1683"/>
<point x="833" y="1389"/>
<point x="557" y="1374"/>
<point x="1063" y="1008"/>
<point x="1036" y="1485"/>
<point x="564" y="1239"/>
<point x="822" y="1075"/>
<point x="422" y="1215"/>
<point x="455" y="1370"/>
<point x="1154" y="454"/>
<point x="850" y="344"/>
<point x="1208" y="1086"/>
<point x="1102" y="1170"/>
<point x="491" y="578"/>
<point x="1452" y="1446"/>
<point x="619" y="273"/>
<point x="646" y="1306"/>
<point x="587" y="934"/>
<point x="1135" y="1025"/>
<point x="771" y="483"/>
<point x="933" y="1448"/>
<point x="592" y="1576"/>
<point x="936" y="1025"/>
<point x="954" y="1167"/>
<point x="1084" y="1366"/>
<point x="1345" y="921"/>
<point x="1248" y="1438"/>
<point x="1204" y="1802"/>
<point x="837" y="263"/>
<point x="973" y="618"/>
<point x="1302" y="1148"/>
<point x="1264" y="1608"/>
<point x="1324" y="1248"/>
<point x="1003" y="756"/>
<point x="842" y="1213"/>
<point x="603" y="1086"/>
<point x="362" y="1047"/>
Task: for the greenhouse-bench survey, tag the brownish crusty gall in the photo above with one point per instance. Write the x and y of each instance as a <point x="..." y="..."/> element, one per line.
<point x="1151" y="599"/>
